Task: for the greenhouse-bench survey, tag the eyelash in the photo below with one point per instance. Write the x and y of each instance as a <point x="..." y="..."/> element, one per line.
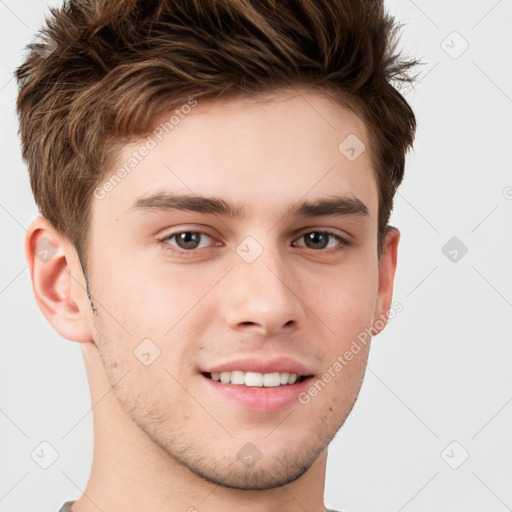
<point x="343" y="243"/>
<point x="181" y="252"/>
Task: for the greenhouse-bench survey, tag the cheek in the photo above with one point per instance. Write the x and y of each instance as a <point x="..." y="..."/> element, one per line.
<point x="148" y="300"/>
<point x="333" y="394"/>
<point x="151" y="316"/>
<point x="344" y="300"/>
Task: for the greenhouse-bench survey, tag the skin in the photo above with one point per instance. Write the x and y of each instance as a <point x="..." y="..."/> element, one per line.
<point x="163" y="440"/>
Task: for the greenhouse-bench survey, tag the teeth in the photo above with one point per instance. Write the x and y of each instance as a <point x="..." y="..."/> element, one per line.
<point x="255" y="379"/>
<point x="237" y="378"/>
<point x="271" y="380"/>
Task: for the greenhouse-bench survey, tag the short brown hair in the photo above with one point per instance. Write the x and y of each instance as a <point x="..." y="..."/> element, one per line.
<point x="109" y="68"/>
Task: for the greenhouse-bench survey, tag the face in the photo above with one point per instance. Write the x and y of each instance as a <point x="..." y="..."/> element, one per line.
<point x="207" y="308"/>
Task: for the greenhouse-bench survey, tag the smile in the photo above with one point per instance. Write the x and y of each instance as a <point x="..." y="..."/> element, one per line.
<point x="255" y="379"/>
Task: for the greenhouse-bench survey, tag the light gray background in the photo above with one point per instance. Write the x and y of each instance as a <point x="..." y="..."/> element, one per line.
<point x="440" y="372"/>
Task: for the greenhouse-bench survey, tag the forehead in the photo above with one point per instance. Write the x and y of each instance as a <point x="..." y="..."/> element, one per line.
<point x="273" y="148"/>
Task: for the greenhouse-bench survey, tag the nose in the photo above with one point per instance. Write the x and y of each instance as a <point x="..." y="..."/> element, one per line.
<point x="261" y="296"/>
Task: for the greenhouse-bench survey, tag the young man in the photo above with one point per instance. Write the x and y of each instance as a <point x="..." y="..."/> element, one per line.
<point x="215" y="180"/>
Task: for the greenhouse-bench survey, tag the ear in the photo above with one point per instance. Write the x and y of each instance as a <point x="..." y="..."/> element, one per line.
<point x="387" y="267"/>
<point x="58" y="281"/>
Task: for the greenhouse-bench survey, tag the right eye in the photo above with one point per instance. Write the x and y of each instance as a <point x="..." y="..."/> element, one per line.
<point x="185" y="241"/>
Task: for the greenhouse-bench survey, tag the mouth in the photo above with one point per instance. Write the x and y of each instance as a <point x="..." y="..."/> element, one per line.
<point x="260" y="392"/>
<point x="256" y="379"/>
<point x="256" y="383"/>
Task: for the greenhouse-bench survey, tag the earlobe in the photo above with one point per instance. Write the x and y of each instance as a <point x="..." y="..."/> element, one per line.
<point x="387" y="268"/>
<point x="56" y="280"/>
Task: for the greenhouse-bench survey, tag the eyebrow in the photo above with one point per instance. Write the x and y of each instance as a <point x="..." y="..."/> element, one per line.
<point x="333" y="205"/>
<point x="336" y="205"/>
<point x="187" y="202"/>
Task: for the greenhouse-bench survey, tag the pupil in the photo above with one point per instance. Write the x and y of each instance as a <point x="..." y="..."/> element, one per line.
<point x="188" y="240"/>
<point x="317" y="239"/>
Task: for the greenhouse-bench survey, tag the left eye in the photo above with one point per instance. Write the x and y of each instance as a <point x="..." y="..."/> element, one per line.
<point x="188" y="239"/>
<point x="320" y="240"/>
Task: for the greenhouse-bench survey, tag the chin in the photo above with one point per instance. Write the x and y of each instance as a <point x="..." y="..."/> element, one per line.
<point x="271" y="475"/>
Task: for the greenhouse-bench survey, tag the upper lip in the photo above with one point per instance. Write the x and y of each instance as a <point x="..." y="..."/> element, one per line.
<point x="260" y="365"/>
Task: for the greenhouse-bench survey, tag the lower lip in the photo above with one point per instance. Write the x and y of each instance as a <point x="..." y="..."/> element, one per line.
<point x="261" y="399"/>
